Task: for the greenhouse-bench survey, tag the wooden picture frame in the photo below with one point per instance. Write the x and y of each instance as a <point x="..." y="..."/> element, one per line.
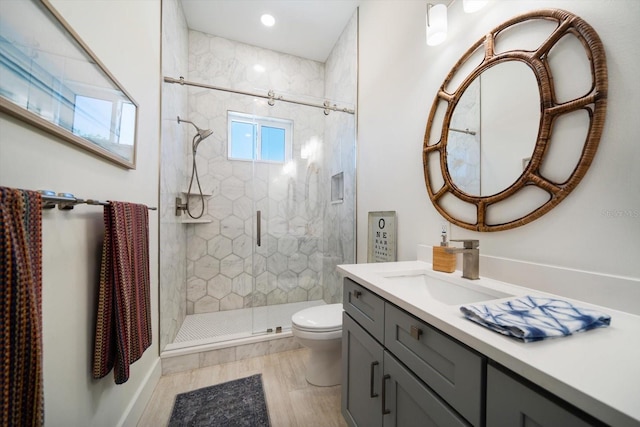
<point x="474" y="212"/>
<point x="49" y="78"/>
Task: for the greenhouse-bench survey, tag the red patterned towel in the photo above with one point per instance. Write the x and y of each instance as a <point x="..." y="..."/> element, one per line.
<point x="21" y="308"/>
<point x="123" y="328"/>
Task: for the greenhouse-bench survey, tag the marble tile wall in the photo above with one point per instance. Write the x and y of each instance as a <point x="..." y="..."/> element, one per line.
<point x="211" y="267"/>
<point x="221" y="262"/>
<point x="293" y="198"/>
<point x="339" y="234"/>
<point x="463" y="150"/>
<point x="173" y="242"/>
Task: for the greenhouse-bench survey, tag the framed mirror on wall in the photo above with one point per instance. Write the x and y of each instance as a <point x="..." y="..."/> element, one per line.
<point x="517" y="121"/>
<point x="50" y="79"/>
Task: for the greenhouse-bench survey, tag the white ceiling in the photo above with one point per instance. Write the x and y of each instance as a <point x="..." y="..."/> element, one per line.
<point x="305" y="28"/>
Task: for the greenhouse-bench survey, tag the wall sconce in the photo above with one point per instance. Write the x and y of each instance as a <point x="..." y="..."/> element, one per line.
<point x="471" y="6"/>
<point x="436" y="24"/>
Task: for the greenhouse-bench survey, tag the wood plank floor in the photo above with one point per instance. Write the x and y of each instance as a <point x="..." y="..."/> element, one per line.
<point x="291" y="401"/>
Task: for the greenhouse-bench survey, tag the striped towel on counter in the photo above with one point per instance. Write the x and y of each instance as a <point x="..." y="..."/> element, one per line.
<point x="123" y="327"/>
<point x="533" y="318"/>
<point x="22" y="392"/>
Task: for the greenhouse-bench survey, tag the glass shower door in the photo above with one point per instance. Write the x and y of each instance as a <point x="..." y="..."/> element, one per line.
<point x="287" y="258"/>
<point x="303" y="234"/>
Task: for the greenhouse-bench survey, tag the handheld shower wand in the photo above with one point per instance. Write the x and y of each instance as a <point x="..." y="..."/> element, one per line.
<point x="197" y="139"/>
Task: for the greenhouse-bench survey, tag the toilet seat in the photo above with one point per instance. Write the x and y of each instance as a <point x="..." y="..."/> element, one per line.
<point x="318" y="319"/>
<point x="306" y="337"/>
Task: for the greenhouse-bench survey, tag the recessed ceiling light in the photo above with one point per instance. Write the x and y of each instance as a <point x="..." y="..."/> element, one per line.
<point x="267" y="20"/>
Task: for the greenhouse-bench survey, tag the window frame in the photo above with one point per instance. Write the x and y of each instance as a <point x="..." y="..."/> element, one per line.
<point x="258" y="122"/>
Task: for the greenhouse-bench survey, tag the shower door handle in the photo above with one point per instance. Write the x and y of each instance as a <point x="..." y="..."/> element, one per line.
<point x="258" y="227"/>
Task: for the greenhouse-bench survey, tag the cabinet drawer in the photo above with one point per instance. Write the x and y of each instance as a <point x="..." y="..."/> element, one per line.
<point x="511" y="403"/>
<point x="449" y="368"/>
<point x="364" y="307"/>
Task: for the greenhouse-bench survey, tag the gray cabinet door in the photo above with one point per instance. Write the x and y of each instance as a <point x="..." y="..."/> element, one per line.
<point x="408" y="402"/>
<point x="511" y="403"/>
<point x="362" y="358"/>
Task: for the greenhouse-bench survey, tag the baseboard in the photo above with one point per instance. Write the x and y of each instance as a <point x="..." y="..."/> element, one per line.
<point x="136" y="407"/>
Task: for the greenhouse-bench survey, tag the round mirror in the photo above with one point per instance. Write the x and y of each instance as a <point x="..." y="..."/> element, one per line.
<point x="493" y="129"/>
<point x="511" y="138"/>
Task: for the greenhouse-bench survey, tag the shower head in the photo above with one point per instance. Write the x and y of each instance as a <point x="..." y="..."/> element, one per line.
<point x="202" y="133"/>
<point x="205" y="133"/>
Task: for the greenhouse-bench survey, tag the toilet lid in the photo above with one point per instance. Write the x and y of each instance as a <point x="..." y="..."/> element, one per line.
<point x="321" y="318"/>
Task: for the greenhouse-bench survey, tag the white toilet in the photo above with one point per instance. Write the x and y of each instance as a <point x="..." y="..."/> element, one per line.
<point x="319" y="329"/>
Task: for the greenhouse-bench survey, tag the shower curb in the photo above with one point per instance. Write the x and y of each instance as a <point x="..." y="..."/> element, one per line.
<point x="200" y="356"/>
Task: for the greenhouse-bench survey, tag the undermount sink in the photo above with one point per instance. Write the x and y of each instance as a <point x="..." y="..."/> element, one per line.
<point x="446" y="292"/>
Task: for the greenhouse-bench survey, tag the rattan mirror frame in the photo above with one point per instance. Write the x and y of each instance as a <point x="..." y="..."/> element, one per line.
<point x="594" y="103"/>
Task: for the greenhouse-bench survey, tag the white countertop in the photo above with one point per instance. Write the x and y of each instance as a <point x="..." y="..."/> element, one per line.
<point x="598" y="371"/>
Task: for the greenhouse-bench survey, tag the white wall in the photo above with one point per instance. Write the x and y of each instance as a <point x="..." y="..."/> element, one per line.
<point x="596" y="228"/>
<point x="125" y="35"/>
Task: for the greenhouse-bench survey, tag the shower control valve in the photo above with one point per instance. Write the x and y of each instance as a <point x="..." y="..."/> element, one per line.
<point x="180" y="207"/>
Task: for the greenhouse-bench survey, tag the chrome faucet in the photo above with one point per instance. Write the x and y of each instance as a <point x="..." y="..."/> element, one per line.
<point x="470" y="257"/>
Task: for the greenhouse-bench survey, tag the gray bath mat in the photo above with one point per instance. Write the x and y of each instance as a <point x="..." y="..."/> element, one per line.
<point x="235" y="403"/>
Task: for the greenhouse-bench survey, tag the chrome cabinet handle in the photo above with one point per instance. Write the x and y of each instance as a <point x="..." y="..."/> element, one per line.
<point x="385" y="411"/>
<point x="258" y="228"/>
<point x="415" y="332"/>
<point x="372" y="394"/>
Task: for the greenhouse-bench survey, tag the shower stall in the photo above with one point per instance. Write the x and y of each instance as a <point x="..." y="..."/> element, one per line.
<point x="278" y="181"/>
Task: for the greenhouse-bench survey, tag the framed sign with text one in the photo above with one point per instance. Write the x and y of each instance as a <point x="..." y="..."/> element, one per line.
<point x="382" y="246"/>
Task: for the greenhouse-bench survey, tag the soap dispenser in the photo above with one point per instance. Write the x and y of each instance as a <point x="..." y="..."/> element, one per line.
<point x="443" y="260"/>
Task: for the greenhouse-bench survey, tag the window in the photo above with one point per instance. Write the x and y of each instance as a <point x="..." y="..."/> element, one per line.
<point x="93" y="120"/>
<point x="259" y="138"/>
<point x="127" y="129"/>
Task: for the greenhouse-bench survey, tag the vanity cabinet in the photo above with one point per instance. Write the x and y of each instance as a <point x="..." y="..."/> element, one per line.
<point x="400" y="371"/>
<point x="393" y="379"/>
<point x="380" y="391"/>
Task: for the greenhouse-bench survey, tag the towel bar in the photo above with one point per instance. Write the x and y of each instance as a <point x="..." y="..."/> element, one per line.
<point x="67" y="201"/>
